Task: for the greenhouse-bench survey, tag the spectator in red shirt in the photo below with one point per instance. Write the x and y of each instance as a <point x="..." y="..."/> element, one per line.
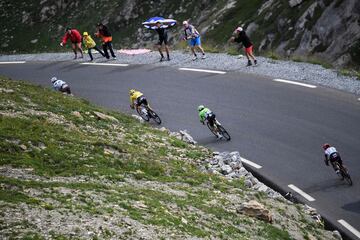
<point x="75" y="38"/>
<point x="239" y="36"/>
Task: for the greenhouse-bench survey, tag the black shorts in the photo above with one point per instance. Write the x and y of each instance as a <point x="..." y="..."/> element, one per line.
<point x="211" y="118"/>
<point x="141" y="101"/>
<point x="163" y="39"/>
<point x="335" y="157"/>
<point x="65" y="88"/>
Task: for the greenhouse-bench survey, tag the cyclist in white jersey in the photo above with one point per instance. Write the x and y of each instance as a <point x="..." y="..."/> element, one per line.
<point x="332" y="155"/>
<point x="60" y="85"/>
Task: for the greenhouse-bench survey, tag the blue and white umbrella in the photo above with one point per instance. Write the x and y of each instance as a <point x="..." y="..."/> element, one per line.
<point x="165" y="23"/>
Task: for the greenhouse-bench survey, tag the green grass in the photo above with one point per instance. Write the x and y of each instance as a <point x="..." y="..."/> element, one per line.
<point x="350" y="73"/>
<point x="312" y="60"/>
<point x="148" y="167"/>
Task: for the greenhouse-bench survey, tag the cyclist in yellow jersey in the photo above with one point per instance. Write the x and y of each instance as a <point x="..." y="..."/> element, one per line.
<point x="137" y="98"/>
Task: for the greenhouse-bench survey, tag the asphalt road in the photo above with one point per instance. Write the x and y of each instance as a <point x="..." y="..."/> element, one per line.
<point x="276" y="125"/>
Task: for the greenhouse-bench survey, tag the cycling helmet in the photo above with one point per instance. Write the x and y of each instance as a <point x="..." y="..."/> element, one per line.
<point x="131" y="92"/>
<point x="200" y="108"/>
<point x="53" y="79"/>
<point x="326" y="146"/>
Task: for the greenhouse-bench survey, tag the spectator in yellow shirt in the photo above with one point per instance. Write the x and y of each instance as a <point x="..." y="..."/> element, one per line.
<point x="90" y="44"/>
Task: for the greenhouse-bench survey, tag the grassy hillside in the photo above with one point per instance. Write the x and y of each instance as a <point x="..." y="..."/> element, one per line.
<point x="66" y="173"/>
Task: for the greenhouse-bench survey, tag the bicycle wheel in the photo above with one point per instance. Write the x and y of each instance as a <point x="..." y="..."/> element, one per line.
<point x="154" y="116"/>
<point x="143" y="113"/>
<point x="224" y="133"/>
<point x="211" y="129"/>
<point x="346" y="176"/>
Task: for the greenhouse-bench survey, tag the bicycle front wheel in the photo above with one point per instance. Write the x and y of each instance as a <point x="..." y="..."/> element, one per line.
<point x="154" y="115"/>
<point x="224" y="133"/>
<point x="346" y="176"/>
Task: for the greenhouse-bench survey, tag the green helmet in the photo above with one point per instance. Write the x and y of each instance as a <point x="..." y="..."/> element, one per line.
<point x="200" y="107"/>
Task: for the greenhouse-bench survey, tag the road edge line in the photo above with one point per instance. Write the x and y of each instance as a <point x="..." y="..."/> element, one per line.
<point x="250" y="163"/>
<point x="106" y="64"/>
<point x="349" y="227"/>
<point x="294" y="83"/>
<point x="301" y="192"/>
<point x="202" y="70"/>
<point x="14" y="62"/>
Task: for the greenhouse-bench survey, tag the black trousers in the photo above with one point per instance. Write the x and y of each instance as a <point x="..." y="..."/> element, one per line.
<point x="97" y="49"/>
<point x="106" y="46"/>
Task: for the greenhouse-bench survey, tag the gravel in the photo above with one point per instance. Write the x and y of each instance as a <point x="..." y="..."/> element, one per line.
<point x="289" y="70"/>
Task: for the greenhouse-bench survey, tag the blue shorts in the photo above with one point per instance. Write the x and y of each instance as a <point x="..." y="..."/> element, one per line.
<point x="195" y="42"/>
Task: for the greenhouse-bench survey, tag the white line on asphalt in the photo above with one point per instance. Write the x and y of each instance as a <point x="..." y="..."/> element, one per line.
<point x="15" y="62"/>
<point x="107" y="64"/>
<point x="295" y="83"/>
<point x="301" y="192"/>
<point x="248" y="162"/>
<point x="349" y="227"/>
<point x="359" y="99"/>
<point x="201" y="70"/>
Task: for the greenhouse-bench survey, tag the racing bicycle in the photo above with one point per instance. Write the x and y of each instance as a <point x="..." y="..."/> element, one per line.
<point x="218" y="128"/>
<point x="146" y="113"/>
<point x="343" y="173"/>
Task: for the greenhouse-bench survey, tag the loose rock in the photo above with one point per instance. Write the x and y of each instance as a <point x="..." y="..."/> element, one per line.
<point x="255" y="209"/>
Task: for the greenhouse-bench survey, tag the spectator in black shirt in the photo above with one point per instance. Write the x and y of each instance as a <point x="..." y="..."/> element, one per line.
<point x="240" y="36"/>
<point x="163" y="38"/>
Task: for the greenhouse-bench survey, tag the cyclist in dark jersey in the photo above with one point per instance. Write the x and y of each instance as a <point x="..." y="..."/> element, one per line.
<point x="241" y="37"/>
<point x="163" y="38"/>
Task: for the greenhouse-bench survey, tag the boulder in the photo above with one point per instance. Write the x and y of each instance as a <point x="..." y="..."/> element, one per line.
<point x="4" y="90"/>
<point x="138" y="118"/>
<point x="102" y="116"/>
<point x="294" y="3"/>
<point x="336" y="235"/>
<point x="226" y="169"/>
<point x="186" y="137"/>
<point x="255" y="209"/>
<point x="77" y="114"/>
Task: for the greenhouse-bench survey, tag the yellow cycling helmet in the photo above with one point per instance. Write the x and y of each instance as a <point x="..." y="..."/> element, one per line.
<point x="131" y="92"/>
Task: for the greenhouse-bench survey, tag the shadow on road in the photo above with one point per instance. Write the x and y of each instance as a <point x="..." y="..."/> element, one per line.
<point x="352" y="207"/>
<point x="327" y="186"/>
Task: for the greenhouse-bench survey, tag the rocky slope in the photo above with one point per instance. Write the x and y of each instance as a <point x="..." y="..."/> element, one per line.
<point x="69" y="170"/>
<point x="322" y="29"/>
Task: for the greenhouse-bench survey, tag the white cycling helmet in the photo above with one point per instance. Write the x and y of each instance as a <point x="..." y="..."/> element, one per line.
<point x="185" y="23"/>
<point x="53" y="79"/>
<point x="200" y="107"/>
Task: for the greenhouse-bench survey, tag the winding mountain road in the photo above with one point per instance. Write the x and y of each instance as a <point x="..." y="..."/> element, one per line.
<point x="273" y="123"/>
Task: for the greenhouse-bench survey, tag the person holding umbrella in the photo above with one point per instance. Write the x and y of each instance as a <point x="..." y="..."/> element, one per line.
<point x="104" y="33"/>
<point x="75" y="38"/>
<point x="163" y="38"/>
<point x="193" y="37"/>
<point x="161" y="25"/>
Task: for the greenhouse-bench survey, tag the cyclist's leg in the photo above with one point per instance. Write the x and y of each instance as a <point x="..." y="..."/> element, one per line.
<point x="333" y="164"/>
<point x="73" y="46"/>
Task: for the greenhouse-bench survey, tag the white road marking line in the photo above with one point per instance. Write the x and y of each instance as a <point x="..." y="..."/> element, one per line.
<point x="107" y="64"/>
<point x="359" y="99"/>
<point x="14" y="62"/>
<point x="248" y="162"/>
<point x="301" y="192"/>
<point x="295" y="83"/>
<point x="201" y="70"/>
<point x="349" y="227"/>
